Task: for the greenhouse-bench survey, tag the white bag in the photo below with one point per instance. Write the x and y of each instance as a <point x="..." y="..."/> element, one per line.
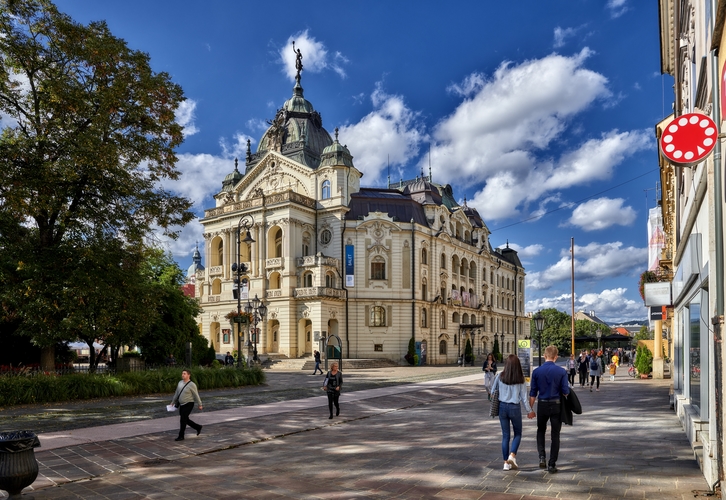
<point x="170" y="408"/>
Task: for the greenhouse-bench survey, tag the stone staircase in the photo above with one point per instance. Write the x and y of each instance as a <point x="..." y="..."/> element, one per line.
<point x="283" y="363"/>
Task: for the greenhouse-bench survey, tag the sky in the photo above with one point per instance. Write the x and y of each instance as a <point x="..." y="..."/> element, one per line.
<point x="540" y="114"/>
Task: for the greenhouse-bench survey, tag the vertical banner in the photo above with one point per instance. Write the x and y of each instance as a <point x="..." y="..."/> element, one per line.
<point x="349" y="266"/>
<point x="656" y="238"/>
<point x="524" y="353"/>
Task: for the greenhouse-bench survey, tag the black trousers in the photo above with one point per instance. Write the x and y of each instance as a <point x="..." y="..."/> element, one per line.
<point x="571" y="376"/>
<point x="592" y="381"/>
<point x="548" y="412"/>
<point x="184" y="411"/>
<point x="333" y="400"/>
<point x="583" y="378"/>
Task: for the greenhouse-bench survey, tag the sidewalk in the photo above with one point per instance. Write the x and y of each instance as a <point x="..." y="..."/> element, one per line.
<point x="426" y="440"/>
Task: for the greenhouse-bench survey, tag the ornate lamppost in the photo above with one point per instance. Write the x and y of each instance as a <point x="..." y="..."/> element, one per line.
<point x="539" y="324"/>
<point x="257" y="310"/>
<point x="238" y="267"/>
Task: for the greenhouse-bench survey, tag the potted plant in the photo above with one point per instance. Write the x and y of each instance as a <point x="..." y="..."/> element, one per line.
<point x="411" y="354"/>
<point x="643" y="361"/>
<point x="468" y="352"/>
<point x="18" y="466"/>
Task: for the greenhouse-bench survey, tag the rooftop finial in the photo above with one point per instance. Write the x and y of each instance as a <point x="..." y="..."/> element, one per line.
<point x="336" y="134"/>
<point x="465" y="202"/>
<point x="298" y="62"/>
<point x="235" y="164"/>
<point x="507" y="242"/>
<point x="249" y="152"/>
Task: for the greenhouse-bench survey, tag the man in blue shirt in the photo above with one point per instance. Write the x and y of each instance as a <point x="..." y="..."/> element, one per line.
<point x="548" y="383"/>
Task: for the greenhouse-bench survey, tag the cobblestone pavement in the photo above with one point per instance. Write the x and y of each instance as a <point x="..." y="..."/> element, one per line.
<point x="434" y="441"/>
<point x="280" y="386"/>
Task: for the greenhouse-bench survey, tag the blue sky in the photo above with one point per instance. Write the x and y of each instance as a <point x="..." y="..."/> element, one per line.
<point x="540" y="113"/>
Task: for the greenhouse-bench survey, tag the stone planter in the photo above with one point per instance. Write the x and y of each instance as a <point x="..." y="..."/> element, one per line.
<point x="644" y="375"/>
<point x="18" y="467"/>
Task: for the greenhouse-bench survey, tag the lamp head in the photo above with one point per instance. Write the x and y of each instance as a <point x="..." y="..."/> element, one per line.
<point x="248" y="239"/>
<point x="539" y="322"/>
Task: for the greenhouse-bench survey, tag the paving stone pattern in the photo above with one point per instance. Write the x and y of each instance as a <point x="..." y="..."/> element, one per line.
<point x="436" y="443"/>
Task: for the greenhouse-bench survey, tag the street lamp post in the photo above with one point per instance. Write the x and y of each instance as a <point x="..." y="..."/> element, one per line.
<point x="598" y="333"/>
<point x="257" y="309"/>
<point x="539" y="324"/>
<point x="238" y="267"/>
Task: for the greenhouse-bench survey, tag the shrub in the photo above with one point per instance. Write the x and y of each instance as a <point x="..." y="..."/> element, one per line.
<point x="643" y="360"/>
<point x="42" y="388"/>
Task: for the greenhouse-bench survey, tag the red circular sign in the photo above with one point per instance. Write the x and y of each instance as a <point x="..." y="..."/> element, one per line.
<point x="688" y="139"/>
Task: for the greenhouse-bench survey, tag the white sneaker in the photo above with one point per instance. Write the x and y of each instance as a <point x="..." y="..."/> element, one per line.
<point x="507" y="466"/>
<point x="512" y="461"/>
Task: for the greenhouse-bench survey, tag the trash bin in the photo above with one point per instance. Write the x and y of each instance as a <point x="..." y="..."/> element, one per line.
<point x="18" y="467"/>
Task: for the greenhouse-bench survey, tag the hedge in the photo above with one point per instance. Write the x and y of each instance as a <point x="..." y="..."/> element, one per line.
<point x="42" y="388"/>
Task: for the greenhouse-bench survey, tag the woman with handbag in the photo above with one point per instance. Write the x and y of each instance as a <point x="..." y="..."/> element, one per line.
<point x="184" y="398"/>
<point x="333" y="383"/>
<point x="512" y="391"/>
<point x="490" y="371"/>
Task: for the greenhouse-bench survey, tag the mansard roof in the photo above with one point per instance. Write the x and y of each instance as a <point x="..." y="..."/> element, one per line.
<point x="399" y="206"/>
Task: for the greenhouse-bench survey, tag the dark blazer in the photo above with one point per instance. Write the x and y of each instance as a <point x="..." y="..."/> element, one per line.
<point x="569" y="405"/>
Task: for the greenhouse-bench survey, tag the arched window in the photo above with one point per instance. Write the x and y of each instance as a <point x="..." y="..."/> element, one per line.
<point x="216" y="287"/>
<point x="424" y="257"/>
<point x="424" y="289"/>
<point x="329" y="280"/>
<point x="442" y="348"/>
<point x="378" y="268"/>
<point x="378" y="316"/>
<point x="326" y="190"/>
<point x="274" y="281"/>
<point x="473" y="319"/>
<point x="443" y="261"/>
<point x="306" y="244"/>
<point x="424" y="318"/>
<point x="465" y="319"/>
<point x="308" y="280"/>
<point x="455" y="318"/>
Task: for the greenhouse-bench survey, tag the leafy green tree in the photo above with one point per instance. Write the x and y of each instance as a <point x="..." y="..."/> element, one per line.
<point x="557" y="330"/>
<point x="643" y="360"/>
<point x="172" y="324"/>
<point x="496" y="352"/>
<point x="468" y="351"/>
<point x="643" y="334"/>
<point x="90" y="134"/>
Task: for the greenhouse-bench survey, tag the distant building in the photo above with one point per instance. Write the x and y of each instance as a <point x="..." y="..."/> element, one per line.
<point x="373" y="266"/>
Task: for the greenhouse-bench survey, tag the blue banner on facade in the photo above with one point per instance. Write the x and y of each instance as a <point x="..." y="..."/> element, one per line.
<point x="349" y="266"/>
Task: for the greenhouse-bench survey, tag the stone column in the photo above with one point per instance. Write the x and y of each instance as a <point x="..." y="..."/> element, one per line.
<point x="658" y="350"/>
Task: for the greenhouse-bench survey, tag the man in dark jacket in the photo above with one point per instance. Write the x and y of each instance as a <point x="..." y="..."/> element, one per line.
<point x="549" y="383"/>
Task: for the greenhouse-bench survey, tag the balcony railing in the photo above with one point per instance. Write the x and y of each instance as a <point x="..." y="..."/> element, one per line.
<point x="287" y="196"/>
<point x="273" y="263"/>
<point x="319" y="291"/>
<point x="315" y="260"/>
<point x="274" y="293"/>
<point x="214" y="298"/>
<point x="215" y="270"/>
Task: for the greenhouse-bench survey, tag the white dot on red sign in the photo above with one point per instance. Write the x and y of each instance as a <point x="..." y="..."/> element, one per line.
<point x="708" y="141"/>
<point x="673" y="128"/>
<point x="704" y="123"/>
<point x="670" y="148"/>
<point x="693" y="119"/>
<point x="709" y="131"/>
<point x="668" y="139"/>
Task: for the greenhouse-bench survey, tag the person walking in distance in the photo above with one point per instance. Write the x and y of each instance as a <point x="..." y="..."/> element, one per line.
<point x="571" y="369"/>
<point x="595" y="371"/>
<point x="184" y="398"/>
<point x="582" y="367"/>
<point x="317" y="363"/>
<point x="512" y="393"/>
<point x="490" y="371"/>
<point x="548" y="384"/>
<point x="332" y="385"/>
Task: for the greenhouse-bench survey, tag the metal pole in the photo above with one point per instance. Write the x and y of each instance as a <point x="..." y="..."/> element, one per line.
<point x="539" y="348"/>
<point x="239" y="299"/>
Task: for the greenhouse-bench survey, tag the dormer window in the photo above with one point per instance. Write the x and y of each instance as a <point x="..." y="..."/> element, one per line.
<point x="326" y="190"/>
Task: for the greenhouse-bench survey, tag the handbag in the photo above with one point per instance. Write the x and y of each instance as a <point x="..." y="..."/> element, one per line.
<point x="494" y="408"/>
<point x="176" y="402"/>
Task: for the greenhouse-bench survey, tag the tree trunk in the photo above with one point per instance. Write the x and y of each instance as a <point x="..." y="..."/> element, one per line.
<point x="47" y="359"/>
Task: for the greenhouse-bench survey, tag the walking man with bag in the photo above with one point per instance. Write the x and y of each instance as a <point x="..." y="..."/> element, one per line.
<point x="548" y="384"/>
<point x="317" y="363"/>
<point x="184" y="398"/>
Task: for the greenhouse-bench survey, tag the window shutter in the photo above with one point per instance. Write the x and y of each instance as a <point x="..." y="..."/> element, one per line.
<point x="389" y="319"/>
<point x="368" y="315"/>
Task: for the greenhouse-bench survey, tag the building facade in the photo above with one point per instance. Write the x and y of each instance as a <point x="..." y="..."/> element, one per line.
<point x="692" y="51"/>
<point x="370" y="267"/>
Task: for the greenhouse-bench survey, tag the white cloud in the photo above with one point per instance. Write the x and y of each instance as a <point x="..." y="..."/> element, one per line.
<point x="602" y="213"/>
<point x="185" y="116"/>
<point x="494" y="135"/>
<point x="391" y="131"/>
<point x="315" y="57"/>
<point x="561" y="36"/>
<point x="617" y="7"/>
<point x="257" y="124"/>
<point x="237" y="149"/>
<point x="201" y="176"/>
<point x="527" y="252"/>
<point x="608" y="305"/>
<point x="592" y="262"/>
